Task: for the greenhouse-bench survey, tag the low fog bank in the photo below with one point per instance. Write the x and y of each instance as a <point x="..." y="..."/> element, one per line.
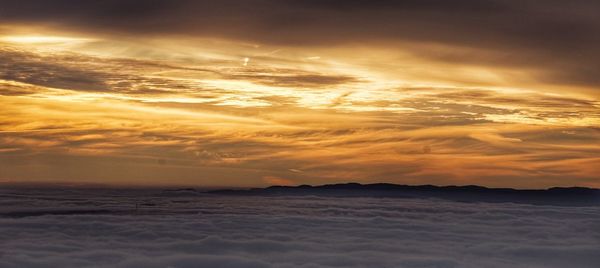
<point x="118" y="228"/>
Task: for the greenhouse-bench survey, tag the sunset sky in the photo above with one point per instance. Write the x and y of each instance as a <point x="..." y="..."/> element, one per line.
<point x="258" y="92"/>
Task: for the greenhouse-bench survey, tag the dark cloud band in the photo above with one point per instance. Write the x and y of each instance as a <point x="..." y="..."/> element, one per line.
<point x="558" y="39"/>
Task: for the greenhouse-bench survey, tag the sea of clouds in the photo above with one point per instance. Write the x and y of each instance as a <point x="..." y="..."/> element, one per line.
<point x="109" y="228"/>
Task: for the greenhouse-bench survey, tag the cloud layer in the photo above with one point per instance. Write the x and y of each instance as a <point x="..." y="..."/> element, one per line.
<point x="243" y="93"/>
<point x="192" y="231"/>
<point x="212" y="120"/>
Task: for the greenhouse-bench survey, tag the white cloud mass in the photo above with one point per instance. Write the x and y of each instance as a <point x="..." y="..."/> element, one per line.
<point x="102" y="228"/>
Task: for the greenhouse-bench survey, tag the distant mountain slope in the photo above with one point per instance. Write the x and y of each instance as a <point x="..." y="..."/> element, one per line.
<point x="571" y="196"/>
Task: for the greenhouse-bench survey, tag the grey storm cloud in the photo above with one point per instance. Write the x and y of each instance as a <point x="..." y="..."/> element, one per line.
<point x="25" y="67"/>
<point x="558" y="39"/>
<point x="96" y="74"/>
<point x="100" y="228"/>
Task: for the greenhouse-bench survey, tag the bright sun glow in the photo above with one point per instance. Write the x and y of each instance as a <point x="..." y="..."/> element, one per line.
<point x="40" y="39"/>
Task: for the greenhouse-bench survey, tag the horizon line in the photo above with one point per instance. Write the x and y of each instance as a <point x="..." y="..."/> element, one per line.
<point x="73" y="185"/>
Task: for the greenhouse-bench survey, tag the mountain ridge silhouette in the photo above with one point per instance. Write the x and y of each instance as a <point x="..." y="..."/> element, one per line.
<point x="567" y="196"/>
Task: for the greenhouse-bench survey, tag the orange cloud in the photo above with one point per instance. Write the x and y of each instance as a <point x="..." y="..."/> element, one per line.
<point x="272" y="180"/>
<point x="89" y="110"/>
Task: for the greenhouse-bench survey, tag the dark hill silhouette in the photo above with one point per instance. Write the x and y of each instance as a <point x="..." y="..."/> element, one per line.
<point x="562" y="196"/>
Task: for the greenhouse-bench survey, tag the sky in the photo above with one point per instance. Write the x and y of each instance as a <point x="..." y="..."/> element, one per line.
<point x="252" y="93"/>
